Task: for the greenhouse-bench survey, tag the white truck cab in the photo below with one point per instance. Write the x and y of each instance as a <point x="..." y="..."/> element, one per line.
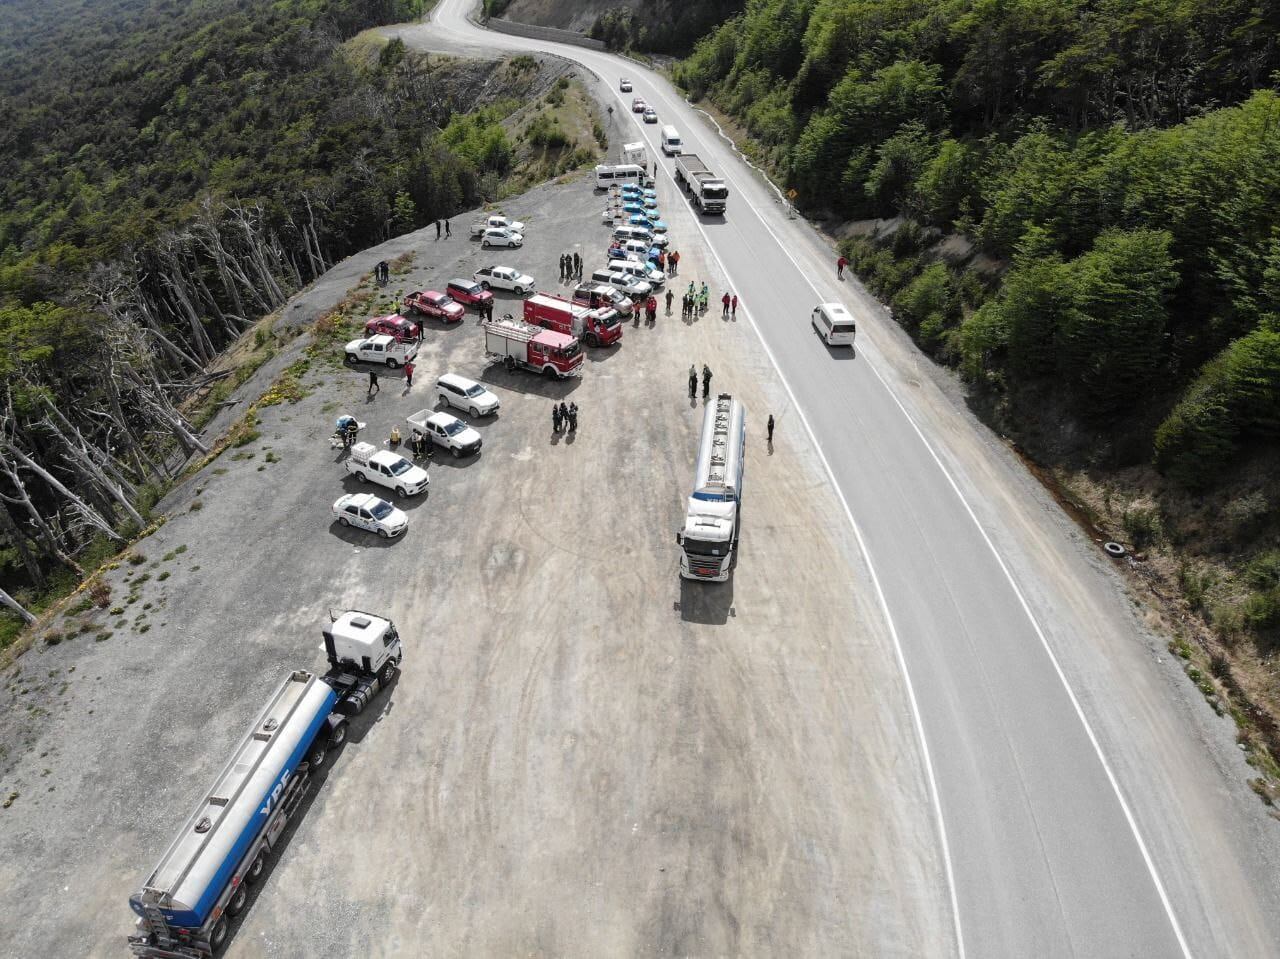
<point x="381" y="349"/>
<point x="368" y="463"/>
<point x="362" y="641"/>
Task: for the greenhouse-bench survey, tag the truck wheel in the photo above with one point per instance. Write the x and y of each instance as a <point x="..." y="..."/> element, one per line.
<point x="510" y="364"/>
<point x="593" y="340"/>
<point x="550" y="371"/>
<point x="519" y="291"/>
<point x="484" y="284"/>
<point x="473" y="411"/>
<point x="218" y="935"/>
<point x="238" y="898"/>
<point x="258" y="868"/>
<point x="391" y="364"/>
<point x="400" y="492"/>
<point x="388" y="673"/>
<point x="361" y="477"/>
<point x="338" y="736"/>
<point x="317" y="757"/>
<point x="455" y="451"/>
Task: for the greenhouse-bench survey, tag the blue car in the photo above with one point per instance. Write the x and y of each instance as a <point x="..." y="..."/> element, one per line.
<point x="634" y="192"/>
<point x="631" y="207"/>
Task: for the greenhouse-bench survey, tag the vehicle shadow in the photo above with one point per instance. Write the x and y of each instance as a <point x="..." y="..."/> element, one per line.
<point x="841" y="352"/>
<point x="363" y="538"/>
<point x="350" y="484"/>
<point x="707" y="604"/>
<point x="528" y="383"/>
<point x="358" y="727"/>
<point x="442" y="458"/>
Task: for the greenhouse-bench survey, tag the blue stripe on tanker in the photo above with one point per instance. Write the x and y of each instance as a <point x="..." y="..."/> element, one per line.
<point x="198" y="914"/>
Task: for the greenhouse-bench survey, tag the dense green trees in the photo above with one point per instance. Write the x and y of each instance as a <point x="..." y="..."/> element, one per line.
<point x="1123" y="158"/>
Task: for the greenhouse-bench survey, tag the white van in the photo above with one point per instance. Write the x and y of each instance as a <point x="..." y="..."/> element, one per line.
<point x="834" y="324"/>
<point x="671" y="144"/>
<point x="607" y="176"/>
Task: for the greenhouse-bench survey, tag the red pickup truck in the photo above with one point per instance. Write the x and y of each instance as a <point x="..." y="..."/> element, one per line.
<point x="431" y="303"/>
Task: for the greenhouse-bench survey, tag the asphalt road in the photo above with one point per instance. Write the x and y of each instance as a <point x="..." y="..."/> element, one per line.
<point x="1084" y="804"/>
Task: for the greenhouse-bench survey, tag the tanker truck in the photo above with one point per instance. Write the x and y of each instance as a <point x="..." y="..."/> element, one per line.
<point x="203" y="878"/>
<point x="712" y="522"/>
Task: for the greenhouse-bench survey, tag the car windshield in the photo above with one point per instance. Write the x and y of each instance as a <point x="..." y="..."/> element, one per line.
<point x="400" y="466"/>
<point x="475" y="390"/>
<point x="701" y="547"/>
<point x="380" y="509"/>
<point x="611" y="320"/>
<point x="454" y="428"/>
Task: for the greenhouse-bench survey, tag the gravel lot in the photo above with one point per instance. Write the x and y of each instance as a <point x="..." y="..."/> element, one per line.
<point x="584" y="754"/>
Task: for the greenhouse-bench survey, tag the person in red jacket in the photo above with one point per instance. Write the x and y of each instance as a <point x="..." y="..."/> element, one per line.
<point x="733" y="306"/>
<point x="724" y="300"/>
<point x="840" y="265"/>
<point x="651" y="308"/>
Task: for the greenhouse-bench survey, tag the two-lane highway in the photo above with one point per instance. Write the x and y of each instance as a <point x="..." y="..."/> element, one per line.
<point x="1076" y="813"/>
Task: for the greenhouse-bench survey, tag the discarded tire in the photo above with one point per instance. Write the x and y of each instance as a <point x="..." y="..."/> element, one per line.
<point x="1114" y="549"/>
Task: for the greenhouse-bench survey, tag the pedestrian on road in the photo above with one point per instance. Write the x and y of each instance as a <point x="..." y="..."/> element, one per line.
<point x="562" y="266"/>
<point x="670" y="296"/>
<point x="564" y="413"/>
<point x="555" y="418"/>
<point x="651" y="307"/>
<point x="439" y="227"/>
<point x="373" y="383"/>
<point x="724" y="300"/>
<point x="693" y="381"/>
<point x="706" y="381"/>
<point x="573" y="417"/>
<point x="675" y="262"/>
<point x="733" y="306"/>
<point x="704" y="297"/>
<point x="408" y="376"/>
<point x="840" y="265"/>
<point x="488" y="310"/>
<point x="448" y="231"/>
<point x="577" y="265"/>
<point x="769" y="427"/>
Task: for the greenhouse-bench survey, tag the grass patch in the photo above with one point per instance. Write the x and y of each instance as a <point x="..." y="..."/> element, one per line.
<point x="53" y="637"/>
<point x="197" y="506"/>
<point x="103" y="636"/>
<point x="163" y="576"/>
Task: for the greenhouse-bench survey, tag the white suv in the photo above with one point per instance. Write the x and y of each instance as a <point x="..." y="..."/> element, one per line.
<point x="465" y="394"/>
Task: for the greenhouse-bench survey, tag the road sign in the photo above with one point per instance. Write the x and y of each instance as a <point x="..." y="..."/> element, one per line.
<point x="792" y="194"/>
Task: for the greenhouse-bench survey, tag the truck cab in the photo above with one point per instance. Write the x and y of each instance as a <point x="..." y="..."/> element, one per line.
<point x="381" y="349"/>
<point x="362" y="642"/>
<point x="366" y="462"/>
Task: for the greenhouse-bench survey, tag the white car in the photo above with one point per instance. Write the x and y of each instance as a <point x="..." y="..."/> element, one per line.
<point x="624" y="85"/>
<point x="650" y="115"/>
<point x="501" y="236"/>
<point x="505" y="278"/>
<point x="366" y="511"/>
<point x="465" y="394"/>
<point x="445" y="429"/>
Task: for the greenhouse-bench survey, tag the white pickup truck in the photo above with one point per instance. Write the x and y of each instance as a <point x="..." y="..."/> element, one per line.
<point x="368" y="463"/>
<point x="381" y="349"/>
<point x="495" y="222"/>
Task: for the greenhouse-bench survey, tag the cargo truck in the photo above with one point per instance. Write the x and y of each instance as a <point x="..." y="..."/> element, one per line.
<point x="709" y="191"/>
<point x="595" y="327"/>
<point x="519" y="345"/>
<point x="203" y="878"/>
<point x="712" y="520"/>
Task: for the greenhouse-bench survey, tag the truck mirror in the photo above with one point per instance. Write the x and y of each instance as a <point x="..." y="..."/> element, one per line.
<point x="679" y="539"/>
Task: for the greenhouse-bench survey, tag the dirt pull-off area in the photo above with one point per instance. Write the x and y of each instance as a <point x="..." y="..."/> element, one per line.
<point x="584" y="755"/>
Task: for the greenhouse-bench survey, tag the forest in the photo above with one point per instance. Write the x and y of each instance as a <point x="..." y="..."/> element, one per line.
<point x="169" y="173"/>
<point x="1077" y="206"/>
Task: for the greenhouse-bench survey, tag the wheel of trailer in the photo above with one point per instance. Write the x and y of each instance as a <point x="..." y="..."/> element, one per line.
<point x="510" y="364"/>
<point x="258" y="868"/>
<point x="218" y="935"/>
<point x="391" y="364"/>
<point x="317" y="757"/>
<point x="238" y="898"/>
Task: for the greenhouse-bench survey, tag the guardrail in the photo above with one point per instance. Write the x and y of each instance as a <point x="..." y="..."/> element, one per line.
<point x="552" y="34"/>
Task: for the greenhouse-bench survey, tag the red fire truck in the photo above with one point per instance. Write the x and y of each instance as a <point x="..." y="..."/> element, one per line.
<point x="518" y="344"/>
<point x="598" y="327"/>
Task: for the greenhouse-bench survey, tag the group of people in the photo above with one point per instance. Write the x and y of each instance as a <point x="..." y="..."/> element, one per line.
<point x="382" y="272"/>
<point x="730" y="305"/>
<point x="570" y="266"/>
<point x="419" y="445"/>
<point x="694" y="301"/>
<point x="564" y="417"/>
<point x="693" y="381"/>
<point x="443" y="224"/>
<point x="651" y="309"/>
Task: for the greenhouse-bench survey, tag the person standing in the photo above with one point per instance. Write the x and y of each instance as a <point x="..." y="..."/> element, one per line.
<point x="670" y="296"/>
<point x="562" y="267"/>
<point x="675" y="262"/>
<point x="577" y="265"/>
<point x="706" y="381"/>
<point x="373" y="383"/>
<point x="662" y="261"/>
<point x="704" y="297"/>
<point x="733" y="306"/>
<point x="555" y="418"/>
<point x="724" y="301"/>
<point x="769" y="428"/>
<point x="408" y="376"/>
<point x="439" y="227"/>
<point x="573" y="417"/>
<point x="564" y="413"/>
<point x="840" y="265"/>
<point x="693" y="381"/>
<point x="448" y="232"/>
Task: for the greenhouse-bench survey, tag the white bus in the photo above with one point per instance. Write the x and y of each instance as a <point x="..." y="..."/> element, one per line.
<point x="834" y="324"/>
<point x="607" y="176"/>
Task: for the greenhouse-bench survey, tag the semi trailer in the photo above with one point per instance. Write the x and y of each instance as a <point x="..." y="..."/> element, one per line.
<point x="712" y="520"/>
<point x="203" y="878"/>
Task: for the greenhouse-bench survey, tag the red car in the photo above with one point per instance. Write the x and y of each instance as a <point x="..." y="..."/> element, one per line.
<point x="469" y="292"/>
<point x="393" y="325"/>
<point x="431" y="303"/>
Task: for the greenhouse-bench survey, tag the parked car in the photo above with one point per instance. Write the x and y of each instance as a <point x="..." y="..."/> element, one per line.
<point x="445" y="429"/>
<point x="368" y="512"/>
<point x="495" y="221"/>
<point x="505" y="278"/>
<point x="650" y="115"/>
<point x="393" y="325"/>
<point x="465" y="394"/>
<point x="431" y="303"/>
<point x="368" y="463"/>
<point x="630" y="285"/>
<point x="468" y="292"/>
<point x="381" y="349"/>
<point x="638" y="105"/>
<point x="595" y="295"/>
<point x="624" y="85"/>
<point x="501" y="236"/>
